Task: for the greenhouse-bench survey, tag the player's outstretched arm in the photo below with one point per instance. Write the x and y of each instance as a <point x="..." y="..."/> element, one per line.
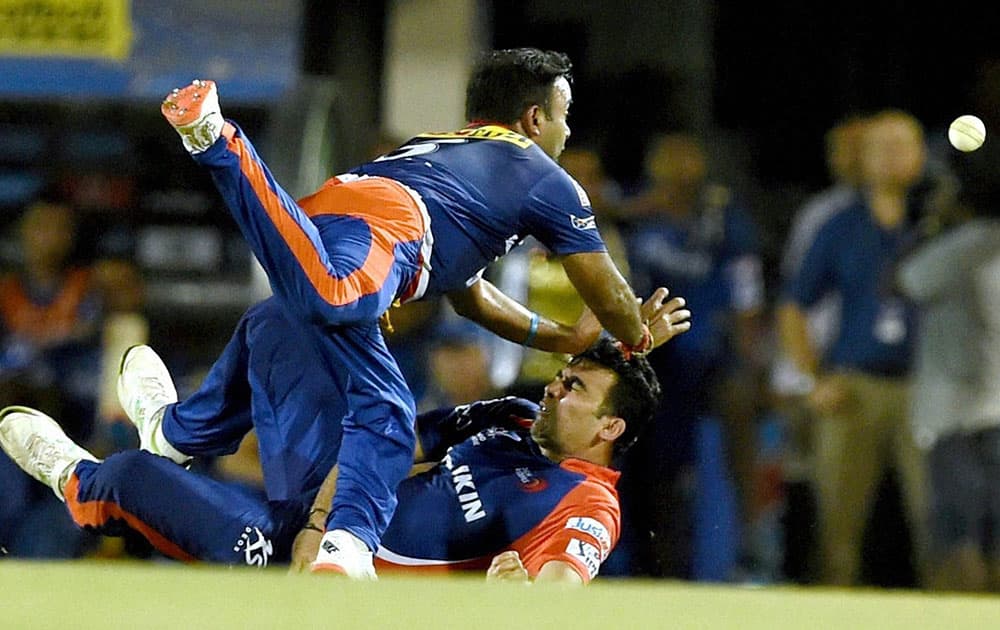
<point x="507" y="567"/>
<point x="603" y="289"/>
<point x="501" y="314"/>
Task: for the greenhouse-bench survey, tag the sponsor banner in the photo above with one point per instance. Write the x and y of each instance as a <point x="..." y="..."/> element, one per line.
<point x="145" y="48"/>
<point x="65" y="28"/>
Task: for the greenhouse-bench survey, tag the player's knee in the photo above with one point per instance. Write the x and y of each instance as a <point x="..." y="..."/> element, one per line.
<point x="126" y="465"/>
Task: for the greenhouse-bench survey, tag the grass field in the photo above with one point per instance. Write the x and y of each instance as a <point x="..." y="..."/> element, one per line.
<point x="123" y="595"/>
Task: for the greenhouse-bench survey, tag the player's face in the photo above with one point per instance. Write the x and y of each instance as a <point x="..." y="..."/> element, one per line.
<point x="553" y="127"/>
<point x="569" y="419"/>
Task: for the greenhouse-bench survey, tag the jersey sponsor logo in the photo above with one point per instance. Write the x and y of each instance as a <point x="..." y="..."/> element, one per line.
<point x="487" y="132"/>
<point x="583" y="223"/>
<point x="585" y="553"/>
<point x="529" y="482"/>
<point x="593" y="527"/>
<point x="492" y="432"/>
<point x="581" y="193"/>
<point x="465" y="491"/>
<point x="255" y="546"/>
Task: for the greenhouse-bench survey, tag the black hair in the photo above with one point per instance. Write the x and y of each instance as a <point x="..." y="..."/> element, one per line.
<point x="505" y="83"/>
<point x="635" y="394"/>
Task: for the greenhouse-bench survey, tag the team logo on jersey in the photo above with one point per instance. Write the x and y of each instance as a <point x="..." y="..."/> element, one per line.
<point x="583" y="223"/>
<point x="593" y="527"/>
<point x="255" y="546"/>
<point x="529" y="482"/>
<point x="493" y="432"/>
<point x="585" y="553"/>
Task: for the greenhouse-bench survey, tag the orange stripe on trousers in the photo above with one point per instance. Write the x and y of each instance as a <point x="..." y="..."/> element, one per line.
<point x="391" y="213"/>
<point x="98" y="513"/>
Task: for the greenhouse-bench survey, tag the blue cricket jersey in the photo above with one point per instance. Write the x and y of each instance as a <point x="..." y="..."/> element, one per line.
<point x="496" y="491"/>
<point x="487" y="188"/>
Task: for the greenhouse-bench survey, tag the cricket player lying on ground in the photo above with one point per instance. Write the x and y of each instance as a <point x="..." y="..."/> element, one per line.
<point x="562" y="516"/>
<point x="532" y="481"/>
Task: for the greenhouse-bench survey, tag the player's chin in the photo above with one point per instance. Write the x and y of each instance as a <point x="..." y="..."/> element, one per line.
<point x="540" y="432"/>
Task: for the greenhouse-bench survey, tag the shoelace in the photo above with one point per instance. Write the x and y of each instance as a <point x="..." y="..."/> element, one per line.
<point x="155" y="386"/>
<point x="152" y="393"/>
<point x="42" y="454"/>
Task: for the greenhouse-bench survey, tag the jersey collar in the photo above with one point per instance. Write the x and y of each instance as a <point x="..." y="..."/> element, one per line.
<point x="590" y="469"/>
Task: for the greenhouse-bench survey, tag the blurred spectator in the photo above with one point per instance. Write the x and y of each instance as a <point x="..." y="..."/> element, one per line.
<point x="857" y="388"/>
<point x="842" y="143"/>
<point x="954" y="278"/>
<point x="459" y="366"/>
<point x="50" y="310"/>
<point x="842" y="146"/>
<point x="50" y="314"/>
<point x="689" y="234"/>
<point x="62" y="320"/>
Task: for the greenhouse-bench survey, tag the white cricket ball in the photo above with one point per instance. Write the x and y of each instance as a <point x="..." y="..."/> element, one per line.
<point x="967" y="133"/>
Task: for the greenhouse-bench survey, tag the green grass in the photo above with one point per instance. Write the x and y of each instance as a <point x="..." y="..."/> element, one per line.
<point x="75" y="595"/>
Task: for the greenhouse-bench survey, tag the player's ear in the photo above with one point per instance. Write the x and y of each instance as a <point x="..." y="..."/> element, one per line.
<point x="531" y="121"/>
<point x="612" y="428"/>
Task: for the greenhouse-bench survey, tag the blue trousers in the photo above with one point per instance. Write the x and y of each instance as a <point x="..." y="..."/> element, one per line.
<point x="184" y="515"/>
<point x="309" y="368"/>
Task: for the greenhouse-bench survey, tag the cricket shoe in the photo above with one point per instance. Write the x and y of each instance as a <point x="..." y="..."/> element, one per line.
<point x="39" y="446"/>
<point x="194" y="112"/>
<point x="342" y="552"/>
<point x="144" y="391"/>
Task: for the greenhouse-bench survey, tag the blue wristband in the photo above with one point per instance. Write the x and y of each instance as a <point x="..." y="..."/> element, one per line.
<point x="532" y="330"/>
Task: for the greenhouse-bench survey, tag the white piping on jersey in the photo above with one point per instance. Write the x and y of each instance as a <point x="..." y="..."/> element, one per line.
<point x="406" y="561"/>
<point x="426" y="246"/>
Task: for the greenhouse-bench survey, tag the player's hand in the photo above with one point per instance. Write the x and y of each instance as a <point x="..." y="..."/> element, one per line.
<point x="509" y="412"/>
<point x="304" y="550"/>
<point x="666" y="319"/>
<point x="507" y="567"/>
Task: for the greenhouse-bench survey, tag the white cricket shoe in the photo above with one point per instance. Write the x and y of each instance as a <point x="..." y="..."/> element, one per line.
<point x="194" y="112"/>
<point x="342" y="552"/>
<point x="39" y="446"/>
<point x="144" y="390"/>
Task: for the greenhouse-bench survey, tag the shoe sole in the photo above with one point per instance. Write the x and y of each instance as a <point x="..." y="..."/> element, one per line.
<point x="329" y="567"/>
<point x="182" y="107"/>
<point x="335" y="569"/>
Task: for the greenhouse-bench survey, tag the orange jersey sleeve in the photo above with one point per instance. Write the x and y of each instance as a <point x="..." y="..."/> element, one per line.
<point x="582" y="530"/>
